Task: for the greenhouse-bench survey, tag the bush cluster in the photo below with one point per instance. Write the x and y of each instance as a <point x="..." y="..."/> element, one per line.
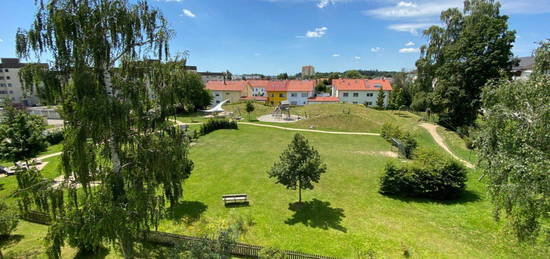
<point x="216" y="124"/>
<point x="54" y="137"/>
<point x="431" y="175"/>
<point x="390" y="131"/>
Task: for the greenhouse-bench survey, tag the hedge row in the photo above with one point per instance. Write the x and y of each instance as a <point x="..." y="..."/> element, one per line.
<point x="216" y="124"/>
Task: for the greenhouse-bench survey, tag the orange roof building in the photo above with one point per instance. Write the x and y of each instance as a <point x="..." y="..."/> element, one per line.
<point x="361" y="91"/>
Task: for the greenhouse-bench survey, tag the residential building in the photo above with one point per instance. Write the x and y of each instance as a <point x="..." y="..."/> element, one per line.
<point x="323" y="99"/>
<point x="308" y="71"/>
<point x="222" y="90"/>
<point x="11" y="86"/>
<point x="257" y="87"/>
<point x="212" y="76"/>
<point x="361" y="91"/>
<point x="298" y="91"/>
<point x="276" y="92"/>
<point x="524" y="69"/>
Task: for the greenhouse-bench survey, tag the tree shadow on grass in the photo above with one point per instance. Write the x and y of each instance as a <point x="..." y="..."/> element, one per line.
<point x="466" y="196"/>
<point x="187" y="211"/>
<point x="317" y="214"/>
<point x="101" y="253"/>
<point x="10" y="240"/>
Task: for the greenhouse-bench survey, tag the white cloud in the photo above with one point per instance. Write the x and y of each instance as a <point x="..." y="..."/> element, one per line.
<point x="188" y="13"/>
<point x="375" y="49"/>
<point x="335" y="55"/>
<point x="317" y="33"/>
<point x="1" y="40"/>
<point x="324" y="3"/>
<point x="357" y="57"/>
<point x="409" y="50"/>
<point x="409" y="44"/>
<point x="413" y="10"/>
<point x="412" y="28"/>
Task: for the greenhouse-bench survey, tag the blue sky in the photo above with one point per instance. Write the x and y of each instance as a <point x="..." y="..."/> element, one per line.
<point x="275" y="36"/>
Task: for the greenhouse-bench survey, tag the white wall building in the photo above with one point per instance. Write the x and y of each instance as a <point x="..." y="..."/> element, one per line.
<point x="10" y="85"/>
<point x="298" y="92"/>
<point x="361" y="91"/>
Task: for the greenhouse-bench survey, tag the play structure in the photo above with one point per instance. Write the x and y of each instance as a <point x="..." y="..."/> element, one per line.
<point x="282" y="109"/>
<point x="216" y="109"/>
<point x="280" y="114"/>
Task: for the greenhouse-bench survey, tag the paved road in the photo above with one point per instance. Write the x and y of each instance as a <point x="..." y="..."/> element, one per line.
<point x="432" y="129"/>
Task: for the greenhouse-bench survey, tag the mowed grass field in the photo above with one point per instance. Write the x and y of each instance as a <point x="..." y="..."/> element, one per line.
<point x="344" y="215"/>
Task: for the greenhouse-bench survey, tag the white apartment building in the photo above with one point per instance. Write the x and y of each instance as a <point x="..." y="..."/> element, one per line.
<point x="298" y="92"/>
<point x="10" y="85"/>
<point x="361" y="91"/>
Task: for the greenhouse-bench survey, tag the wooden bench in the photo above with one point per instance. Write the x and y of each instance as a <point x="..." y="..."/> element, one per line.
<point x="235" y="198"/>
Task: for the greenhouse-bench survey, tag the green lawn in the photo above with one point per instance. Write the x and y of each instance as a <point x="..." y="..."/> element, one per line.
<point x="344" y="215"/>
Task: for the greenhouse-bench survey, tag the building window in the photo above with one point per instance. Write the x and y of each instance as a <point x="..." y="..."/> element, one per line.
<point x="2" y="85"/>
<point x="293" y="103"/>
<point x="217" y="94"/>
<point x="354" y="102"/>
<point x="355" y="94"/>
<point x="293" y="95"/>
<point x="217" y="101"/>
<point x="369" y="94"/>
<point x="1" y="78"/>
<point x="304" y="94"/>
<point x="272" y="95"/>
<point x="368" y="103"/>
<point x="346" y="94"/>
<point x="9" y="84"/>
<point x="7" y="78"/>
<point x="11" y="92"/>
<point x="6" y="70"/>
<point x="3" y="92"/>
<point x="281" y="95"/>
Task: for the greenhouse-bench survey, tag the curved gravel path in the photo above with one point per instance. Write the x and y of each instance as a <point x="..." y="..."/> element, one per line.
<point x="432" y="129"/>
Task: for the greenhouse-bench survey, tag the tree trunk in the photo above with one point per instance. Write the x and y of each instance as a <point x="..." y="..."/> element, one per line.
<point x="127" y="248"/>
<point x="299" y="192"/>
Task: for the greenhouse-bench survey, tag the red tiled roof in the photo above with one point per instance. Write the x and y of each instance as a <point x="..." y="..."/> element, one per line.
<point x="361" y="84"/>
<point x="253" y="98"/>
<point x="301" y="85"/>
<point x="227" y="86"/>
<point x="324" y="99"/>
<point x="281" y="86"/>
<point x="258" y="83"/>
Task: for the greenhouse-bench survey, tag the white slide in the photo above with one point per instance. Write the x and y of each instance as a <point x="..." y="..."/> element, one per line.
<point x="217" y="108"/>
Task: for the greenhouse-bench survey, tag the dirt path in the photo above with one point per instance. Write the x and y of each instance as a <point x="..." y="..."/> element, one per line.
<point x="432" y="129"/>
<point x="48" y="156"/>
<point x="311" y="130"/>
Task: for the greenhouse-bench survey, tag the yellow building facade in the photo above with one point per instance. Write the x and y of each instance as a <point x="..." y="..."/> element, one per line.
<point x="276" y="97"/>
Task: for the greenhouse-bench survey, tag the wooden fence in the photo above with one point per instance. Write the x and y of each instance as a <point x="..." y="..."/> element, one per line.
<point x="169" y="239"/>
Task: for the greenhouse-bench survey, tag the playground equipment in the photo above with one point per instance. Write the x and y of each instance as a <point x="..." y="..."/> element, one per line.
<point x="217" y="109"/>
<point x="283" y="108"/>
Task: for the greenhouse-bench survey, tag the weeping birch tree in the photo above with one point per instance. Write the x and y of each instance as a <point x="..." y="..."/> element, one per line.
<point x="119" y="147"/>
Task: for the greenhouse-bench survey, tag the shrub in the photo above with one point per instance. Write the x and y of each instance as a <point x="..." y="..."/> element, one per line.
<point x="54" y="137"/>
<point x="431" y="175"/>
<point x="272" y="253"/>
<point x="390" y="131"/>
<point x="8" y="220"/>
<point x="216" y="124"/>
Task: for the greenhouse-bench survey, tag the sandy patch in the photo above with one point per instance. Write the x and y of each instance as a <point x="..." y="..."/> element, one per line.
<point x="378" y="153"/>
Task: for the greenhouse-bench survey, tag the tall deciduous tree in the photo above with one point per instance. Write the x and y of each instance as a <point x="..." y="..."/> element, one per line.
<point x="117" y="131"/>
<point x="352" y="74"/>
<point x="21" y="137"/>
<point x="514" y="150"/>
<point x="471" y="48"/>
<point x="299" y="166"/>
